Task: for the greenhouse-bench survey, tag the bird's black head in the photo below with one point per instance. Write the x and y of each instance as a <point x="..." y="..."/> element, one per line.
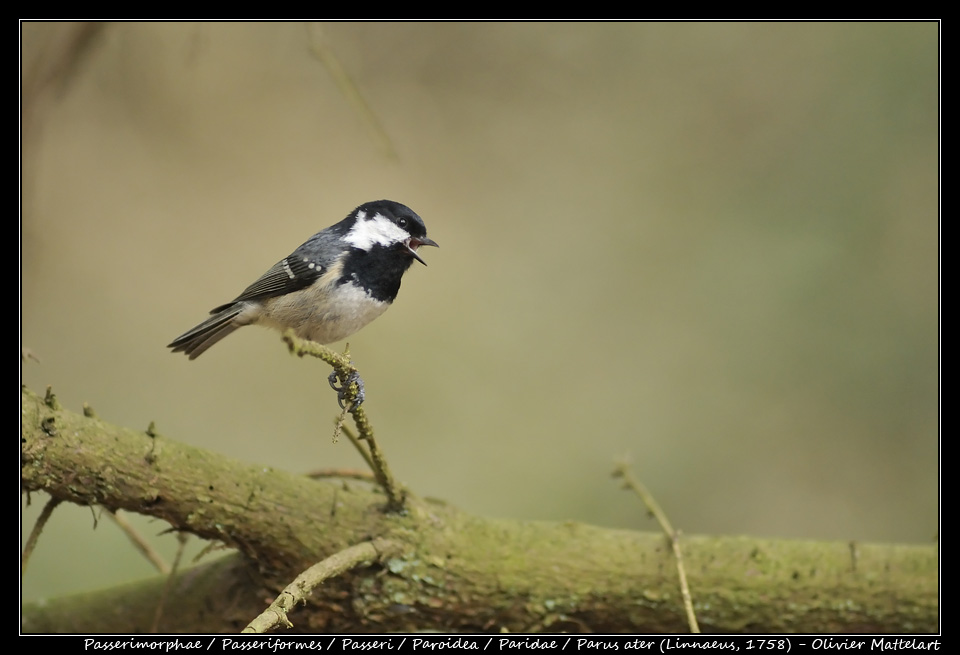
<point x="388" y="225"/>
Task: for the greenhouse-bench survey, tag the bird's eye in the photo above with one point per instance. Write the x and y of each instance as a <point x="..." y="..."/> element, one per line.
<point x="402" y="222"/>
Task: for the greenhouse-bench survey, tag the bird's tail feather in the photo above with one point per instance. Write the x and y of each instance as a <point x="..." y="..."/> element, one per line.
<point x="195" y="342"/>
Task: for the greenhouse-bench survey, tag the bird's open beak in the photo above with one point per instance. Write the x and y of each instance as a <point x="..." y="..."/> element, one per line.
<point x="413" y="243"/>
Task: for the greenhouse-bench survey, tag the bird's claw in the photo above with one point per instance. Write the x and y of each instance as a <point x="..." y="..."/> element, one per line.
<point x="343" y="391"/>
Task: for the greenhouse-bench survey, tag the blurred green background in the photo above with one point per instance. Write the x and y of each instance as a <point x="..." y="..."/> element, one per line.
<point x="710" y="248"/>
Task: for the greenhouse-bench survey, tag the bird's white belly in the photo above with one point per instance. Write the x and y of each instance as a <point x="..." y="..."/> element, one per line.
<point x="321" y="316"/>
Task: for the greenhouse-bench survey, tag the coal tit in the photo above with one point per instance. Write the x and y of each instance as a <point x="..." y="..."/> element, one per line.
<point x="339" y="280"/>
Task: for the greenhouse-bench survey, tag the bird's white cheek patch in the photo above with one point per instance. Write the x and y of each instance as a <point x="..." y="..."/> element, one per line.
<point x="370" y="232"/>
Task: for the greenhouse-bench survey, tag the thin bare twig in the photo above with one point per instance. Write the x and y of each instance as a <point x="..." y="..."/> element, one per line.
<point x="299" y="590"/>
<point x="364" y="452"/>
<point x="353" y="474"/>
<point x="158" y="615"/>
<point x="321" y="49"/>
<point x="35" y="533"/>
<point x="139" y="542"/>
<point x="623" y="471"/>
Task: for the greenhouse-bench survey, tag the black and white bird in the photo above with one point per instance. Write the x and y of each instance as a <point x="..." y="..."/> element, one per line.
<point x="339" y="280"/>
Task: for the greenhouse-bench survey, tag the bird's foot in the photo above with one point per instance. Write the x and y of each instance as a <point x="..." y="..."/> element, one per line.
<point x="343" y="391"/>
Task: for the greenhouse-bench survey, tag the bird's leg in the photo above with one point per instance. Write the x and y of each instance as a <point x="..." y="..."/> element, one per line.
<point x="344" y="389"/>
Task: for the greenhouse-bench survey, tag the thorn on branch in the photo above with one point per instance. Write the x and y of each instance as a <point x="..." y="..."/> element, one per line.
<point x="48" y="425"/>
<point x="50" y="400"/>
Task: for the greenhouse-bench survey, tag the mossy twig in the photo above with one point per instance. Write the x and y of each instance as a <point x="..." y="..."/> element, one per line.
<point x="372" y="454"/>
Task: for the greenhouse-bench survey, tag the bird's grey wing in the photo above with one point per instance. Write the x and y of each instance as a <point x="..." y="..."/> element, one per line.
<point x="286" y="276"/>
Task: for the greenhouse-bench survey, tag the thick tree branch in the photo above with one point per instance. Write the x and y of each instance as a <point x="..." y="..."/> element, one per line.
<point x="452" y="571"/>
